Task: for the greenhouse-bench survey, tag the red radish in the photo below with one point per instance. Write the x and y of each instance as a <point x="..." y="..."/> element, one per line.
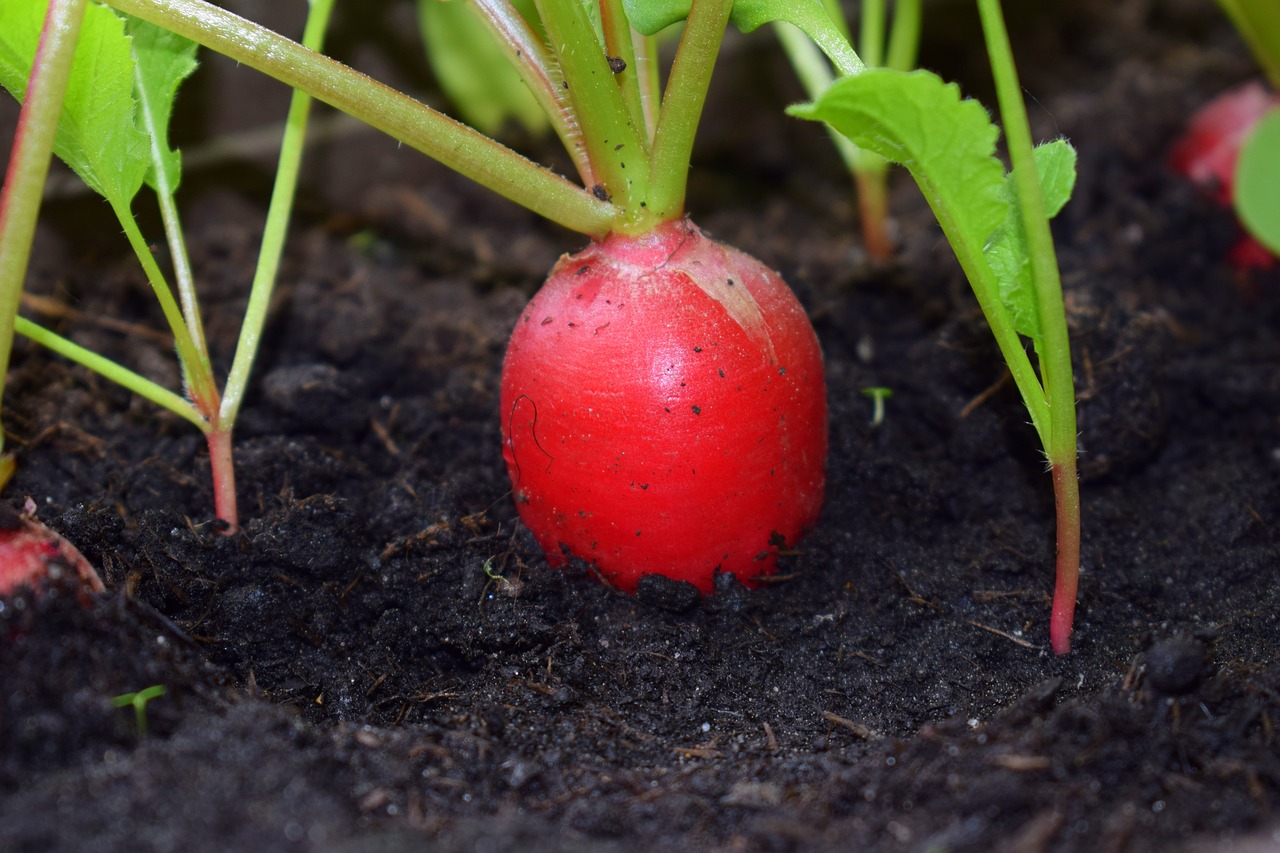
<point x="1208" y="152"/>
<point x="31" y="552"/>
<point x="664" y="411"/>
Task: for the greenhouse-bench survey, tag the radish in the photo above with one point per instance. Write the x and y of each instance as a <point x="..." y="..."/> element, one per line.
<point x="1208" y="152"/>
<point x="664" y="411"/>
<point x="31" y="553"/>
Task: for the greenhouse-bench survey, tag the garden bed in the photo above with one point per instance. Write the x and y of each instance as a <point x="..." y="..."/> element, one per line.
<point x="344" y="675"/>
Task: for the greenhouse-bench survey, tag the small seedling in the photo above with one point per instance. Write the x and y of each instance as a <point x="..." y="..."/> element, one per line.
<point x="510" y="586"/>
<point x="878" y="395"/>
<point x="138" y="701"/>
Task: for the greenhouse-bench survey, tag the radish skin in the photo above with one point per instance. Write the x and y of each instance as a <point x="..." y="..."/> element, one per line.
<point x="31" y="552"/>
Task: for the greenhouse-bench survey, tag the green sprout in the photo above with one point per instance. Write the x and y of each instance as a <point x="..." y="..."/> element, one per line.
<point x="138" y="701"/>
<point x="878" y="394"/>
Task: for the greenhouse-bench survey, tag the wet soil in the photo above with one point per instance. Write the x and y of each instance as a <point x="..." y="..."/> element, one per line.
<point x="344" y="675"/>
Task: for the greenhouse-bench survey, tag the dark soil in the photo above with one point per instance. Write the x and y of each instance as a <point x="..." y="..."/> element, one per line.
<point x="343" y="675"/>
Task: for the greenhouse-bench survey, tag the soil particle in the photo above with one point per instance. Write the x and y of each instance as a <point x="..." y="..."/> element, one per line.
<point x="1177" y="665"/>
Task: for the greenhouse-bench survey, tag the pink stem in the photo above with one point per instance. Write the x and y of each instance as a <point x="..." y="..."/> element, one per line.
<point x="1066" y="492"/>
<point x="873" y="210"/>
<point x="222" y="465"/>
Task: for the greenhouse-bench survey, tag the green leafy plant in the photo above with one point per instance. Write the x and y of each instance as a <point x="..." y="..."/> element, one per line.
<point x="631" y="145"/>
<point x="98" y="89"/>
<point x="630" y="138"/>
<point x="998" y="226"/>
<point x="898" y="51"/>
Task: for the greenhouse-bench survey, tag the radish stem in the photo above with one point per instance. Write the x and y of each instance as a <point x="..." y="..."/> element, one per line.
<point x="470" y="153"/>
<point x="1054" y="349"/>
<point x="29" y="161"/>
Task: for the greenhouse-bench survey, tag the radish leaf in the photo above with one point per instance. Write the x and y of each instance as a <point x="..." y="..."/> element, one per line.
<point x="1007" y="250"/>
<point x="809" y="16"/>
<point x="948" y="144"/>
<point x="163" y="61"/>
<point x="473" y="69"/>
<point x="649" y="16"/>
<point x="1258" y="182"/>
<point x="97" y="136"/>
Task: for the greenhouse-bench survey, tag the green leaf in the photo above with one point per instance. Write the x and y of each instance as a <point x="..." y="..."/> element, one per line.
<point x="809" y="16"/>
<point x="1008" y="252"/>
<point x="97" y="136"/>
<point x="473" y="70"/>
<point x="649" y="16"/>
<point x="747" y="15"/>
<point x="1056" y="168"/>
<point x="917" y="121"/>
<point x="948" y="145"/>
<point x="162" y="61"/>
<point x="1258" y="182"/>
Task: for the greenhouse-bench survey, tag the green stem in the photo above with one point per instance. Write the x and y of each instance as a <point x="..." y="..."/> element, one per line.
<point x="1258" y="22"/>
<point x="682" y="106"/>
<point x="196" y="369"/>
<point x="827" y="27"/>
<point x="612" y="140"/>
<point x="182" y="275"/>
<point x="1055" y="347"/>
<point x="619" y="46"/>
<point x="869" y="170"/>
<point x="648" y="81"/>
<point x="871" y="33"/>
<point x="987" y="291"/>
<point x="29" y="161"/>
<point x="904" y="39"/>
<point x="275" y="230"/>
<point x="529" y="55"/>
<point x="457" y="146"/>
<point x="165" y="190"/>
<point x="136" y="383"/>
<point x="836" y="12"/>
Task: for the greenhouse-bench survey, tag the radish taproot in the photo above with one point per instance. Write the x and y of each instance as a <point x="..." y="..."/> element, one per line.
<point x="664" y="411"/>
